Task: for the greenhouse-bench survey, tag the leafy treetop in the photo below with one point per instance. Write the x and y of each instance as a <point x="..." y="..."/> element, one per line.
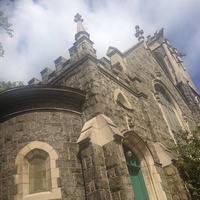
<point x="189" y="162"/>
<point x="9" y="84"/>
<point x="4" y="24"/>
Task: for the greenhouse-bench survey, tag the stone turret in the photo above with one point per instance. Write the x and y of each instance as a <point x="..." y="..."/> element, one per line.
<point x="83" y="45"/>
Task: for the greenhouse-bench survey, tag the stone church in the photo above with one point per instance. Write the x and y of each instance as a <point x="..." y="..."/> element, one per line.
<point x="99" y="128"/>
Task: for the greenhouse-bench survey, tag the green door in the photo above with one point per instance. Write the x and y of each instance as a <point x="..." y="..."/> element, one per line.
<point x="136" y="177"/>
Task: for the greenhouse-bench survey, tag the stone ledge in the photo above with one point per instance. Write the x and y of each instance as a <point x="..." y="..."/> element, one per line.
<point x="35" y="97"/>
<point x="99" y="130"/>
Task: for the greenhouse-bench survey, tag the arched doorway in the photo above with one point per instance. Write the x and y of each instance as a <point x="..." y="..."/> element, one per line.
<point x="136" y="176"/>
<point x="140" y="154"/>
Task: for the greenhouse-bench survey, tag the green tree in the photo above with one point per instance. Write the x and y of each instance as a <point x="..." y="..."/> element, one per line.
<point x="189" y="162"/>
<point x="9" y="84"/>
<point x="4" y="24"/>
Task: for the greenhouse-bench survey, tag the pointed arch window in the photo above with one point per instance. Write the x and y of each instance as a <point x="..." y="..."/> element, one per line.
<point x="168" y="109"/>
<point x="122" y="100"/>
<point x="39" y="171"/>
<point x="137" y="180"/>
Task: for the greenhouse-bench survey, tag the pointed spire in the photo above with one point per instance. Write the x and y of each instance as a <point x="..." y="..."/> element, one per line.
<point x="79" y="21"/>
<point x="83" y="45"/>
<point x="80" y="28"/>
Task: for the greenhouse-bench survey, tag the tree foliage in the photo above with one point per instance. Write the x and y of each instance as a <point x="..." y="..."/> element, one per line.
<point x="9" y="84"/>
<point x="4" y="25"/>
<point x="189" y="162"/>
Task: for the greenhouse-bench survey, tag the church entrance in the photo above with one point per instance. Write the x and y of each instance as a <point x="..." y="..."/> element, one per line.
<point x="136" y="176"/>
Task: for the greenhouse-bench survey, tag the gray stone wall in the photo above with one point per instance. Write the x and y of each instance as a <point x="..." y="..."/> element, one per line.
<point x="95" y="172"/>
<point x="175" y="183"/>
<point x="105" y="172"/>
<point x="146" y="115"/>
<point x="118" y="176"/>
<point x="100" y="82"/>
<point x="84" y="76"/>
<point x="58" y="129"/>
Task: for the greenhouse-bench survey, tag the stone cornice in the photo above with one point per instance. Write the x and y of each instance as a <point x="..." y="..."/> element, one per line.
<point x="39" y="97"/>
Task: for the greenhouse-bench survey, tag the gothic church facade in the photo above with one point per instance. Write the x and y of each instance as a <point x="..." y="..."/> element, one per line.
<point x="99" y="128"/>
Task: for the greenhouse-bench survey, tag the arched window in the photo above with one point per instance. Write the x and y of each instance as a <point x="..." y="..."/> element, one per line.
<point x="121" y="99"/>
<point x="39" y="171"/>
<point x="137" y="180"/>
<point x="168" y="109"/>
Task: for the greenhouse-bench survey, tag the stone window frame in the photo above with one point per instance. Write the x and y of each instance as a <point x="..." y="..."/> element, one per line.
<point x="22" y="176"/>
<point x="177" y="110"/>
<point x="151" y="177"/>
<point x="44" y="160"/>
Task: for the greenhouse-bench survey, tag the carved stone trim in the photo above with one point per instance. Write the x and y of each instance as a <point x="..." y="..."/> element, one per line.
<point x="99" y="130"/>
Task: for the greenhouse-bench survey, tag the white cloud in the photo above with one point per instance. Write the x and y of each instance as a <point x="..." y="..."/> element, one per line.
<point x="44" y="30"/>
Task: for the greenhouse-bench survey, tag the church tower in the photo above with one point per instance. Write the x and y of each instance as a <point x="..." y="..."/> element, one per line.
<point x="171" y="63"/>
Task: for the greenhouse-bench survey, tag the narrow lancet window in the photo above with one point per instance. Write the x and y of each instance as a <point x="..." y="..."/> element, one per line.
<point x="38" y="171"/>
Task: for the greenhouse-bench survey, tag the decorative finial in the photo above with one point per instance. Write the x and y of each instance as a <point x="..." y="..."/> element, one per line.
<point x="181" y="54"/>
<point x="79" y="21"/>
<point x="78" y="18"/>
<point x="159" y="33"/>
<point x="139" y="33"/>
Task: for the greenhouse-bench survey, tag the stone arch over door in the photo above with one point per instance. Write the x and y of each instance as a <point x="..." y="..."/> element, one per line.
<point x="151" y="177"/>
<point x="22" y="178"/>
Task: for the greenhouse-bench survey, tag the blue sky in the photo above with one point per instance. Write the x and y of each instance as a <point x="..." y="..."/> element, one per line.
<point x="45" y="29"/>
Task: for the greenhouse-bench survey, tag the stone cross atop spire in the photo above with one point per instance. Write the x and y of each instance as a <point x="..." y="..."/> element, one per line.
<point x="79" y="21"/>
<point x="78" y="18"/>
<point x="139" y="33"/>
<point x="83" y="45"/>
